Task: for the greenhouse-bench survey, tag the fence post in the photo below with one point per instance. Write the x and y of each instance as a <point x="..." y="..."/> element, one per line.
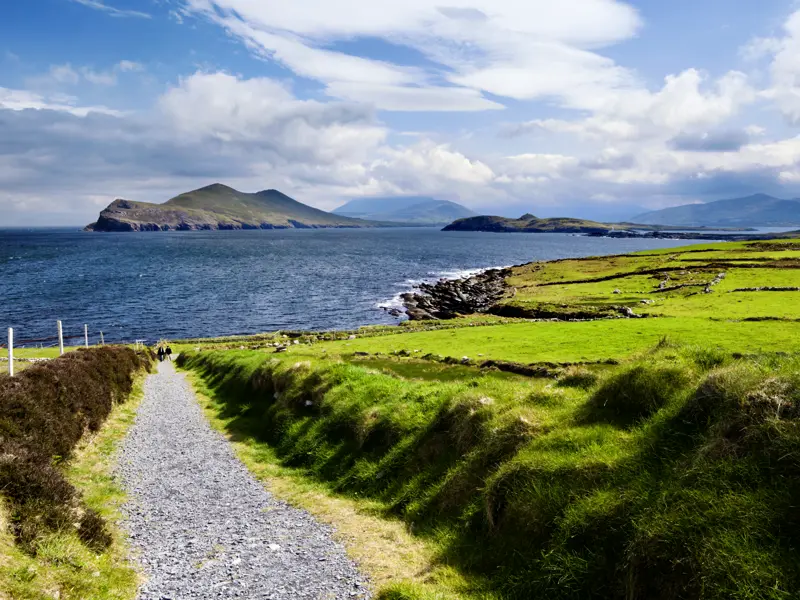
<point x="85" y="336"/>
<point x="10" y="352"/>
<point x="102" y="341"/>
<point x="60" y="337"/>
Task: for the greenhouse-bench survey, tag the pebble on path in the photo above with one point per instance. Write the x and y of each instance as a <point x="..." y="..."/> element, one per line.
<point x="201" y="526"/>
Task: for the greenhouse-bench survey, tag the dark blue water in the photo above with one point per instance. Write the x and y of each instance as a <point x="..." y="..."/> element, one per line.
<point x="199" y="284"/>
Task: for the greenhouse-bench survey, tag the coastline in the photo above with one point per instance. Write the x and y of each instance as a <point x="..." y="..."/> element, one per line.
<point x="447" y="298"/>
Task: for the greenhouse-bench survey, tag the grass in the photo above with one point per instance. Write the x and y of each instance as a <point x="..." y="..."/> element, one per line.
<point x="28" y="353"/>
<point x="609" y="482"/>
<point x="536" y="342"/>
<point x="635" y="280"/>
<point x="63" y="566"/>
<point x="637" y="458"/>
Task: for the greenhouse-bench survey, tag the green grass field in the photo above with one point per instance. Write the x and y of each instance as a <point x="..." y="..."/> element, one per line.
<point x="668" y="283"/>
<point x="27" y="353"/>
<point x="664" y="466"/>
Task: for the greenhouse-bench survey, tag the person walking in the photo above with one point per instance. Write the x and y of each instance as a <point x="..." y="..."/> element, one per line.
<point x="169" y="353"/>
<point x="161" y="354"/>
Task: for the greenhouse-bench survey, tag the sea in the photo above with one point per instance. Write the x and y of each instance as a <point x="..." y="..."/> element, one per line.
<point x="178" y="285"/>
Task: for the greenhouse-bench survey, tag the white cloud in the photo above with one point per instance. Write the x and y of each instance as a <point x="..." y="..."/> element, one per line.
<point x="428" y="166"/>
<point x="509" y="48"/>
<point x="264" y="113"/>
<point x="400" y="98"/>
<point x="114" y="12"/>
<point x="67" y="75"/>
<point x="354" y="78"/>
<point x="684" y="105"/>
<point x="129" y="66"/>
<point x="759" y="48"/>
<point x="18" y="100"/>
<point x="784" y="52"/>
<point x="64" y="74"/>
<point x="583" y="22"/>
<point x="99" y="77"/>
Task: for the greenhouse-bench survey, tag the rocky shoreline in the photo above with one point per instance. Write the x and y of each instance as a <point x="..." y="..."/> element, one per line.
<point x="448" y="298"/>
<point x="480" y="294"/>
<point x="689" y="235"/>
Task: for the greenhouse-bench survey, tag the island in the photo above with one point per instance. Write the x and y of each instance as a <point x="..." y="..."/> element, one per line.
<point x="219" y="207"/>
<point x="528" y="223"/>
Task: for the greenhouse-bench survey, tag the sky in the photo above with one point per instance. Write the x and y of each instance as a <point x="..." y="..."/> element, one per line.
<point x="589" y="108"/>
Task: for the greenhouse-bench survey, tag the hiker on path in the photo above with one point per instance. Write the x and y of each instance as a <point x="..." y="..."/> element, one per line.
<point x="169" y="353"/>
<point x="160" y="354"/>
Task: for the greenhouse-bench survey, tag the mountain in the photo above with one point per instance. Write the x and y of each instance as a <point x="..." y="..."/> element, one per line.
<point x="218" y="206"/>
<point x="419" y="210"/>
<point x="528" y="223"/>
<point x="759" y="210"/>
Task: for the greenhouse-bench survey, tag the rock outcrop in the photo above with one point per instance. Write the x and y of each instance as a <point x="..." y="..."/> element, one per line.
<point x="447" y="299"/>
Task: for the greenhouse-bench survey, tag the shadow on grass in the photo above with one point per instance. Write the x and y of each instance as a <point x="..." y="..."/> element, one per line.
<point x="658" y="486"/>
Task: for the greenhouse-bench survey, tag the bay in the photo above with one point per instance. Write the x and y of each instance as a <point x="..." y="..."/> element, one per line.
<point x="213" y="283"/>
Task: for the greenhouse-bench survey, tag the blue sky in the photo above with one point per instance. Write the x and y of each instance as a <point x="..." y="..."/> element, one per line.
<point x="594" y="108"/>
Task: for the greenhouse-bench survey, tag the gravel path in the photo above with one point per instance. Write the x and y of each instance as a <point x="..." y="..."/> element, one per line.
<point x="203" y="527"/>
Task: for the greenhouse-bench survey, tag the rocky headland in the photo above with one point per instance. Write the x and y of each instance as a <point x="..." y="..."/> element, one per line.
<point x="219" y="207"/>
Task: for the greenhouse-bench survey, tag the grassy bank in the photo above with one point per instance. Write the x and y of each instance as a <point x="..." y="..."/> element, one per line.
<point x="382" y="547"/>
<point x="670" y="475"/>
<point x="60" y="422"/>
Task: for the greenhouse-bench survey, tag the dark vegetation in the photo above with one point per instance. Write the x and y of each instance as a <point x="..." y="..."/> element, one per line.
<point x="673" y="475"/>
<point x="44" y="412"/>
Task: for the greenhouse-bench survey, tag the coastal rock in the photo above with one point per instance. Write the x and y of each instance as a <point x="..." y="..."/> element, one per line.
<point x="446" y="299"/>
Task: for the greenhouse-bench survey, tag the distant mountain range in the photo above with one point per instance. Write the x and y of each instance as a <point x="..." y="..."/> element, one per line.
<point x="419" y="210"/>
<point x="759" y="210"/>
<point x="218" y="206"/>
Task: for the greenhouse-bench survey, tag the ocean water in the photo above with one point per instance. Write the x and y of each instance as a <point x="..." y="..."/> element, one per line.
<point x="199" y="284"/>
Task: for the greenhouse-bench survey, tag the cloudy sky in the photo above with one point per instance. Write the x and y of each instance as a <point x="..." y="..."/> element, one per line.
<point x="595" y="108"/>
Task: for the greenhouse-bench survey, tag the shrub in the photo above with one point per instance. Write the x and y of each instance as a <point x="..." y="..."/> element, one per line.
<point x="44" y="412"/>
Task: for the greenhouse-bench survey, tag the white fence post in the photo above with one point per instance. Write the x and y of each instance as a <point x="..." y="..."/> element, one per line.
<point x="60" y="337"/>
<point x="10" y="352"/>
<point x="85" y="336"/>
<point x="102" y="341"/>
